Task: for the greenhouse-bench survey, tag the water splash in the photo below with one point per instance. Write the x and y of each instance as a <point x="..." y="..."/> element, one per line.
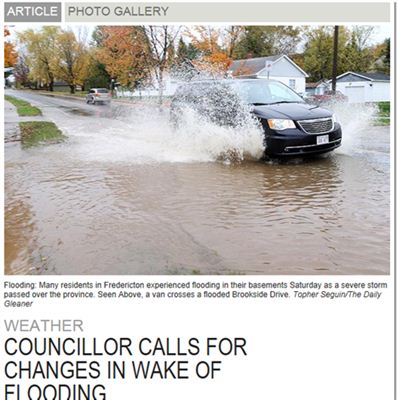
<point x="204" y="139"/>
<point x="140" y="132"/>
<point x="354" y="119"/>
<point x="144" y="133"/>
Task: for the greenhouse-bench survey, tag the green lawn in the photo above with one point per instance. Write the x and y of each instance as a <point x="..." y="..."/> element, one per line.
<point x="384" y="108"/>
<point x="24" y="109"/>
<point x="38" y="132"/>
<point x="383" y="117"/>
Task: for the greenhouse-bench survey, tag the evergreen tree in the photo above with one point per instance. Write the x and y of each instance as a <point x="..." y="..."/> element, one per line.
<point x="182" y="52"/>
<point x="318" y="54"/>
<point x="261" y="41"/>
<point x="186" y="52"/>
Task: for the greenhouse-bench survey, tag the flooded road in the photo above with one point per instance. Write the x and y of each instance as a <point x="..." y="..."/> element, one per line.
<point x="124" y="194"/>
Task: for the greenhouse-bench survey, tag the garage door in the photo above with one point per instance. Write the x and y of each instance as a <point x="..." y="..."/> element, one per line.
<point x="356" y="94"/>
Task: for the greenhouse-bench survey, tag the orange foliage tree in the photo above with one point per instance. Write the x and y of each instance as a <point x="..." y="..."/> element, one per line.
<point x="124" y="52"/>
<point x="10" y="55"/>
<point x="215" y="58"/>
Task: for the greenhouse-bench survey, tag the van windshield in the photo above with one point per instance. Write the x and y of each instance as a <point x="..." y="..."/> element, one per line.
<point x="262" y="91"/>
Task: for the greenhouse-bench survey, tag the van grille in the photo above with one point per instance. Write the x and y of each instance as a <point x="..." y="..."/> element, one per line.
<point x="314" y="126"/>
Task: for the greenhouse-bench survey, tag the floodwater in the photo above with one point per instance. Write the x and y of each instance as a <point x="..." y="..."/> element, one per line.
<point x="125" y="194"/>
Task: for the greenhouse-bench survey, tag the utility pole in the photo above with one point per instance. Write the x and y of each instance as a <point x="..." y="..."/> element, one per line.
<point x="335" y="61"/>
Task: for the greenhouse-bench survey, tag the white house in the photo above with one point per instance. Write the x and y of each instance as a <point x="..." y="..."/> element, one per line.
<point x="170" y="84"/>
<point x="172" y="79"/>
<point x="280" y="68"/>
<point x="363" y="87"/>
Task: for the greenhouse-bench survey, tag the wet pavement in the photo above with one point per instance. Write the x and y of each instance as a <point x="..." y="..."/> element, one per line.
<point x="125" y="194"/>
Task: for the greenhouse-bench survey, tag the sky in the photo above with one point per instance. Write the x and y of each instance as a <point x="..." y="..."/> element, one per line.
<point x="382" y="33"/>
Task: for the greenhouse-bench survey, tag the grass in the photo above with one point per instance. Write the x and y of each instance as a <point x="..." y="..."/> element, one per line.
<point x="24" y="109"/>
<point x="384" y="108"/>
<point x="382" y="121"/>
<point x="383" y="117"/>
<point x="37" y="132"/>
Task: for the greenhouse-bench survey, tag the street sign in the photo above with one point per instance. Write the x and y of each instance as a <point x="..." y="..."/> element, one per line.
<point x="268" y="66"/>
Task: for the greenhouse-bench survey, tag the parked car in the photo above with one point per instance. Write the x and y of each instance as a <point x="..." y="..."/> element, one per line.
<point x="100" y="95"/>
<point x="291" y="127"/>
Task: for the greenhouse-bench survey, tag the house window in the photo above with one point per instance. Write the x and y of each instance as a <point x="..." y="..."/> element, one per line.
<point x="292" y="83"/>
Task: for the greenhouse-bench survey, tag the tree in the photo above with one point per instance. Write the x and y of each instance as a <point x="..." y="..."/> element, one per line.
<point x="318" y="53"/>
<point x="354" y="51"/>
<point x="10" y="54"/>
<point x="40" y="54"/>
<point x="98" y="76"/>
<point x="213" y="56"/>
<point x="358" y="55"/>
<point x="362" y="35"/>
<point x="124" y="52"/>
<point x="232" y="35"/>
<point x="181" y="54"/>
<point x="72" y="60"/>
<point x="386" y="56"/>
<point x="261" y="41"/>
<point x="381" y="56"/>
<point x="98" y="36"/>
<point x="160" y="39"/>
<point x="21" y="71"/>
<point x="206" y="39"/>
<point x="183" y="68"/>
<point x="171" y="55"/>
<point x="185" y="52"/>
<point x="253" y="44"/>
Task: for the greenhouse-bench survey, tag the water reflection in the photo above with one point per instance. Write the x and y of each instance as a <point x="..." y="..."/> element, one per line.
<point x="19" y="235"/>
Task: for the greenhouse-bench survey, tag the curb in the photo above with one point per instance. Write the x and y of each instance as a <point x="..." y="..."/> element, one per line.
<point x="61" y="96"/>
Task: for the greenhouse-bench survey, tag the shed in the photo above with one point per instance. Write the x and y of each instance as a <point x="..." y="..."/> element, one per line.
<point x="364" y="87"/>
<point x="278" y="67"/>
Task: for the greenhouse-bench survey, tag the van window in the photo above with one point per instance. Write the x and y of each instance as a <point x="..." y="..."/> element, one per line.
<point x="265" y="92"/>
<point x="283" y="93"/>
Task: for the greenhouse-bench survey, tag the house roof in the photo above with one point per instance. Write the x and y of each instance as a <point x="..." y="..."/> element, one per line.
<point x="315" y="84"/>
<point x="370" y="76"/>
<point x="311" y="84"/>
<point x="375" y="76"/>
<point x="252" y="66"/>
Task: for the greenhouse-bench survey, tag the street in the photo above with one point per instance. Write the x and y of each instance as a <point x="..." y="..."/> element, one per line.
<point x="126" y="194"/>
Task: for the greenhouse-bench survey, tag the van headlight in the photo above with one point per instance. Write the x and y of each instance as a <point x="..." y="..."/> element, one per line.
<point x="335" y="118"/>
<point x="281" y="124"/>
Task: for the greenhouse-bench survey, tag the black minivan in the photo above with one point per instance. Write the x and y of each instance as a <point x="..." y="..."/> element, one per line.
<point x="291" y="126"/>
